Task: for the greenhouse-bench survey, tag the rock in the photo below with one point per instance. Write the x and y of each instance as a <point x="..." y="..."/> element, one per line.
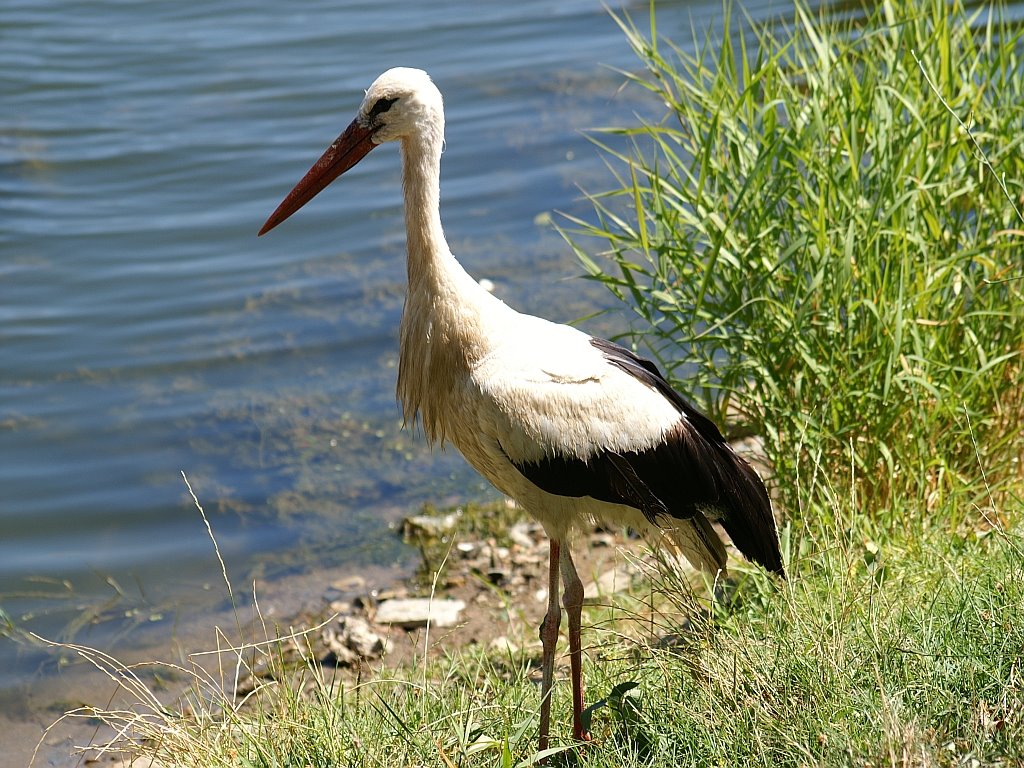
<point x="411" y="613"/>
<point x="608" y="583"/>
<point x="503" y="644"/>
<point x="363" y="640"/>
<point x="429" y="525"/>
<point x="127" y="761"/>
<point x="346" y="587"/>
<point x="352" y="640"/>
<point x="389" y="594"/>
<point x="340" y="607"/>
<point x="525" y="559"/>
<point x="524" y="534"/>
<point x="349" y="584"/>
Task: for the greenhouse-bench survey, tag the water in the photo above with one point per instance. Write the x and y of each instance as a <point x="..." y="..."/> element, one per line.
<point x="145" y="331"/>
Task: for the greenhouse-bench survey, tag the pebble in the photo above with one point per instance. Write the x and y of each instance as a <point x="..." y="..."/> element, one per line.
<point x="130" y="761"/>
<point x="339" y="588"/>
<point x="389" y="594"/>
<point x="351" y="640"/>
<point x="429" y="525"/>
<point x="527" y="559"/>
<point x="502" y="643"/>
<point x="339" y="607"/>
<point x="523" y="534"/>
<point x="349" y="584"/>
<point x="608" y="583"/>
<point x="411" y="613"/>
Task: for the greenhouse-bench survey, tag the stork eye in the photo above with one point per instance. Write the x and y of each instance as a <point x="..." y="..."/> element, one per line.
<point x="381" y="106"/>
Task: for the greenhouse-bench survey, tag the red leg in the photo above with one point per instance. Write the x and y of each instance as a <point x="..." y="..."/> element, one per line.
<point x="548" y="639"/>
<point x="573" y="601"/>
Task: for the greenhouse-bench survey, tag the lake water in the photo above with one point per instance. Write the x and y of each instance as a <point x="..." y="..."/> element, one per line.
<point x="145" y="331"/>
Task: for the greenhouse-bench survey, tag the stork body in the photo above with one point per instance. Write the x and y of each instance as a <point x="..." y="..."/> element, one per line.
<point x="573" y="428"/>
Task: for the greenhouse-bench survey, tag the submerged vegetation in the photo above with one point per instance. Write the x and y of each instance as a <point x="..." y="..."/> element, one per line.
<point x="823" y="241"/>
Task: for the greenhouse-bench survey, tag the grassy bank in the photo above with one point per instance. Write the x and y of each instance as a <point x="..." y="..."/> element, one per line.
<point x="823" y="240"/>
<point x="882" y="650"/>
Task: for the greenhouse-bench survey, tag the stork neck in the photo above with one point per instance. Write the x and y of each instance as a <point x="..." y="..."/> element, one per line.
<point x="444" y="328"/>
<point x="429" y="254"/>
<point x="441" y="294"/>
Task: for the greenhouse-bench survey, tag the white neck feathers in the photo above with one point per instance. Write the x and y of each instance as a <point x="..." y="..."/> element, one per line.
<point x="443" y="330"/>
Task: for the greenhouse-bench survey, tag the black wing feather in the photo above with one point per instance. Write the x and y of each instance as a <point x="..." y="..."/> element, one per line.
<point x="692" y="472"/>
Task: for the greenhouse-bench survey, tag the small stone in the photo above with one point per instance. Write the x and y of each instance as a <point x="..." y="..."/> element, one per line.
<point x="429" y="525"/>
<point x="526" y="559"/>
<point x="127" y="761"/>
<point x="364" y="603"/>
<point x="521" y="536"/>
<point x="351" y="640"/>
<point x="340" y="607"/>
<point x="390" y="594"/>
<point x="503" y="644"/>
<point x="349" y="584"/>
<point x="411" y="613"/>
<point x="338" y="654"/>
<point x="362" y="639"/>
<point x="608" y="583"/>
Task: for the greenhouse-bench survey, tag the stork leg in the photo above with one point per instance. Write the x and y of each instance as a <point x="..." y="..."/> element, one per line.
<point x="572" y="599"/>
<point x="548" y="639"/>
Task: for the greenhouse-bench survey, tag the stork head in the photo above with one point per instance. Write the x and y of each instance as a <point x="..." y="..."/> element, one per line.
<point x="402" y="103"/>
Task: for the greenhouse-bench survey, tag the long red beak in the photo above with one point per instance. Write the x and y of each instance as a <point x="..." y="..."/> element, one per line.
<point x="347" y="150"/>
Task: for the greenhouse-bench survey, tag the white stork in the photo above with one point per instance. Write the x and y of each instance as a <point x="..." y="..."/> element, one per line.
<point x="572" y="427"/>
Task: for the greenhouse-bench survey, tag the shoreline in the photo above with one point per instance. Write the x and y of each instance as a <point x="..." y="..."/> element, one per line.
<point x="498" y="575"/>
<point x="490" y="557"/>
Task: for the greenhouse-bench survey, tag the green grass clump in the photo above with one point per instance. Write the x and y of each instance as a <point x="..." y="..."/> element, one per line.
<point x="815" y="245"/>
<point x="880" y="651"/>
